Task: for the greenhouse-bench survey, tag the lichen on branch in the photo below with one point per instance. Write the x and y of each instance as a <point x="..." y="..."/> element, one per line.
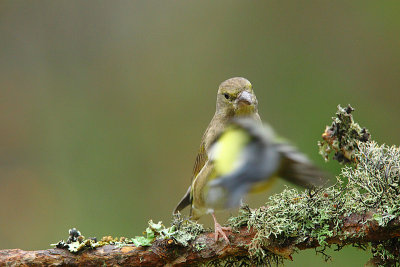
<point x="342" y="137"/>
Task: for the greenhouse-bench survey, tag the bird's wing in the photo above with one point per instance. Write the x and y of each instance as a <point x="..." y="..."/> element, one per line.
<point x="298" y="169"/>
<point x="256" y="164"/>
<point x="198" y="188"/>
<point x="199" y="163"/>
<point x="201" y="159"/>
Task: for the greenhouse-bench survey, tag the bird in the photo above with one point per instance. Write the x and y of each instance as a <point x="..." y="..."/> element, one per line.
<point x="235" y="98"/>
<point x="238" y="154"/>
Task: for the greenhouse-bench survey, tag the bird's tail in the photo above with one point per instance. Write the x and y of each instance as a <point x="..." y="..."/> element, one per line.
<point x="185" y="201"/>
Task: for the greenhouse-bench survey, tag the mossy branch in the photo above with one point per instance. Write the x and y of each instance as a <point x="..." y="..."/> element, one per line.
<point x="356" y="229"/>
<point x="362" y="208"/>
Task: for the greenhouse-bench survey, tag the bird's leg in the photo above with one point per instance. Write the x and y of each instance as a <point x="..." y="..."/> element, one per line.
<point x="219" y="230"/>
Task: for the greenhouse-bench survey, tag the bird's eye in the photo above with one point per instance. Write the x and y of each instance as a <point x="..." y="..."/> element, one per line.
<point x="226" y="96"/>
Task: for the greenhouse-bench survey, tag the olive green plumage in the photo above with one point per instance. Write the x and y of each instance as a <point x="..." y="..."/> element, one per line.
<point x="235" y="98"/>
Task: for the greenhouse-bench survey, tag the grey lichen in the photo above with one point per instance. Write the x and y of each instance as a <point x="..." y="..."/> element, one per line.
<point x="292" y="216"/>
<point x="77" y="242"/>
<point x="186" y="231"/>
<point x="182" y="231"/>
<point x="342" y="137"/>
<point x="374" y="182"/>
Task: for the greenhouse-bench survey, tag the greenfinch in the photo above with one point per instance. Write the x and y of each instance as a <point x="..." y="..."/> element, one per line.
<point x="239" y="155"/>
<point x="235" y="97"/>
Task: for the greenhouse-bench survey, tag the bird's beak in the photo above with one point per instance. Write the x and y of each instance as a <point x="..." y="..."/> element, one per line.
<point x="244" y="99"/>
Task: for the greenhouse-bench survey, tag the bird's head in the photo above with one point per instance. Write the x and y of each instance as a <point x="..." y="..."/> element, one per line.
<point x="236" y="97"/>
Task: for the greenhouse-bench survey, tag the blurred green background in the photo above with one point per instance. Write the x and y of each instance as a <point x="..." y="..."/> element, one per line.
<point x="103" y="103"/>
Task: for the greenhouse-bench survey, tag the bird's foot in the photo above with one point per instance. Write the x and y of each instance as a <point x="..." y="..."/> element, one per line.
<point x="219" y="231"/>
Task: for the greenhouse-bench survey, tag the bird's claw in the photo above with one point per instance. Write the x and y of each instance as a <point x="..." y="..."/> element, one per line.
<point x="219" y="231"/>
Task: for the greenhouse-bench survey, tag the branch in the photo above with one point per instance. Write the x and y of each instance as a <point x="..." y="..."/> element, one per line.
<point x="356" y="229"/>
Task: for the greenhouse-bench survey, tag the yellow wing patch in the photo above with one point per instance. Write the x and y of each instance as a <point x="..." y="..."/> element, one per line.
<point x="228" y="149"/>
